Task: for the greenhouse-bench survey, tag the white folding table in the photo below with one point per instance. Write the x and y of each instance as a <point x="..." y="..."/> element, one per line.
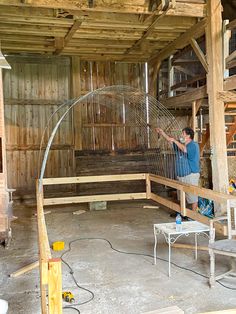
<point x="171" y="235"/>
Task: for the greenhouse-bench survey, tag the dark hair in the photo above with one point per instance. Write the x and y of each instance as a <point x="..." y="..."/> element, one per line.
<point x="189" y="132"/>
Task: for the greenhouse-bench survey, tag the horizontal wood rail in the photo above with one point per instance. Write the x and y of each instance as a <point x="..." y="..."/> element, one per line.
<point x="93" y="179"/>
<point x="50" y="269"/>
<point x="94" y="198"/>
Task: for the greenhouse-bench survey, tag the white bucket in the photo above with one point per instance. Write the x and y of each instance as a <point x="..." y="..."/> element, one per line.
<point x="3" y="306"/>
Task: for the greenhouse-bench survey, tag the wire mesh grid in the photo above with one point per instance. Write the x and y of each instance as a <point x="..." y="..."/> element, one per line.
<point x="133" y="114"/>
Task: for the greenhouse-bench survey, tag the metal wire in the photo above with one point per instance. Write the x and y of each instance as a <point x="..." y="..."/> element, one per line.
<point x="131" y="111"/>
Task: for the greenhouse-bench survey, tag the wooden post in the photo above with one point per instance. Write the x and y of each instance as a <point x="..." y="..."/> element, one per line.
<point x="170" y="77"/>
<point x="54" y="286"/>
<point x="44" y="249"/>
<point x="226" y="38"/>
<point x="182" y="203"/>
<point x="153" y="78"/>
<point x="194" y="115"/>
<point x="76" y="92"/>
<point x="148" y="186"/>
<point x="4" y="197"/>
<point x="216" y="106"/>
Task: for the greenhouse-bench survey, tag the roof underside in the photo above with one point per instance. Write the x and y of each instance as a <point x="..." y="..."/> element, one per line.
<point x="122" y="30"/>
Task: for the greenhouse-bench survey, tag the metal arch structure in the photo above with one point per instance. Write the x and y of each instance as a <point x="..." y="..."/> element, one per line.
<point x="149" y="114"/>
<point x="141" y="111"/>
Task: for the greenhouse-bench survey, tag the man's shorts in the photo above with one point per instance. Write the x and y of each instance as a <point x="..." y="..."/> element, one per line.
<point x="193" y="179"/>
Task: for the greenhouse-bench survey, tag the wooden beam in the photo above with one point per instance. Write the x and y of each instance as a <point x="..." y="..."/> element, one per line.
<point x="232" y="132"/>
<point x="195" y="31"/>
<point x="153" y="80"/>
<point x="186" y="8"/>
<point x="24" y="269"/>
<point x="230" y="83"/>
<point x="146" y="33"/>
<point x="199" y="53"/>
<point x="93" y="179"/>
<point x="205" y="139"/>
<point x="54" y="286"/>
<point x="216" y="105"/>
<point x="227" y="96"/>
<point x="185" y="98"/>
<point x="189" y="81"/>
<point x="193" y="189"/>
<point x="148" y="186"/>
<point x="185" y="70"/>
<point x="196" y="105"/>
<point x="226" y="45"/>
<point x="165" y="202"/>
<point x="231" y="25"/>
<point x="59" y="44"/>
<point x="231" y="57"/>
<point x="170" y="77"/>
<point x="68" y="36"/>
<point x="189" y="246"/>
<point x="94" y="198"/>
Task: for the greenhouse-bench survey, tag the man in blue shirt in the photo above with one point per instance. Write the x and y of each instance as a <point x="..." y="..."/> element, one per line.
<point x="188" y="170"/>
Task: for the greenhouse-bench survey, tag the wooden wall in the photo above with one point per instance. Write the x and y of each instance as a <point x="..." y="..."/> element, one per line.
<point x="33" y="88"/>
<point x="100" y="118"/>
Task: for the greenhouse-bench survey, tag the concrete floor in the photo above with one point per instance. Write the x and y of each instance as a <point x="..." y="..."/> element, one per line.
<point x="121" y="283"/>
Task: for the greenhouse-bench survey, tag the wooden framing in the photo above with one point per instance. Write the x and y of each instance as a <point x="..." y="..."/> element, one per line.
<point x="199" y="53"/>
<point x="216" y="106"/>
<point x="196" y="31"/>
<point x="122" y="31"/>
<point x="50" y="269"/>
<point x="232" y="132"/>
<point x="4" y="195"/>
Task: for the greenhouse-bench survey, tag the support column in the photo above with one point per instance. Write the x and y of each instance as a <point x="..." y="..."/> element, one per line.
<point x="4" y="197"/>
<point x="216" y="106"/>
<point x="153" y="77"/>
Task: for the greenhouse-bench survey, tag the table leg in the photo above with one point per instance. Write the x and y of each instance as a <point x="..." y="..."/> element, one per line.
<point x="169" y="259"/>
<point x="195" y="245"/>
<point x="155" y="247"/>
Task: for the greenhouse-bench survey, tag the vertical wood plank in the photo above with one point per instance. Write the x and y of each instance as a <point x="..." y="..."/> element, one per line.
<point x="148" y="186"/>
<point x="183" y="203"/>
<point x="216" y="106"/>
<point x="54" y="286"/>
<point x="76" y="92"/>
<point x="4" y="198"/>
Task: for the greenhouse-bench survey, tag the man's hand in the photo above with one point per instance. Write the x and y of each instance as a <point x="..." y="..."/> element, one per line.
<point x="160" y="131"/>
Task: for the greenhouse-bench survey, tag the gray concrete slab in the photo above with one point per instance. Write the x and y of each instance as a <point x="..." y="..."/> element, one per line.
<point x="121" y="283"/>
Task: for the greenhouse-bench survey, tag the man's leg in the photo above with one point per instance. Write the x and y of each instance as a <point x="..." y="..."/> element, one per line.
<point x="192" y="199"/>
<point x="194" y="206"/>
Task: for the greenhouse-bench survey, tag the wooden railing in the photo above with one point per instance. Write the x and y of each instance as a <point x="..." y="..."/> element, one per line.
<point x="50" y="269"/>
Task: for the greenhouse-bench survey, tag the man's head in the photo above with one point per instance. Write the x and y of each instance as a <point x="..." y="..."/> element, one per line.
<point x="188" y="134"/>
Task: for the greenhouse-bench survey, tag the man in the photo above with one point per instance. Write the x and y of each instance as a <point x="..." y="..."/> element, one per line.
<point x="189" y="172"/>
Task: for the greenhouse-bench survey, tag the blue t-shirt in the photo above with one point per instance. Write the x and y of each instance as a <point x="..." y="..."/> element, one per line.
<point x="182" y="167"/>
<point x="193" y="155"/>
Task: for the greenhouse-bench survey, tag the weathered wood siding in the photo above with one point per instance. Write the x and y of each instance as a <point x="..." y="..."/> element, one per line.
<point x="94" y="75"/>
<point x="33" y="89"/>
